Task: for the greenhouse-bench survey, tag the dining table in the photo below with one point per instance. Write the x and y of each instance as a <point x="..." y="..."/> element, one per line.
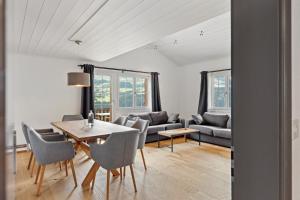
<point x="83" y="133"/>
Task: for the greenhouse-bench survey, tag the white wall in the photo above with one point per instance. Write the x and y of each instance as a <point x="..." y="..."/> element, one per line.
<point x="190" y="84"/>
<point x="296" y="96"/>
<point x="38" y="92"/>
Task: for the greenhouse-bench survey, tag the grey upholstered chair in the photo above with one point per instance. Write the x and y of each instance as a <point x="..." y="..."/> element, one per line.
<point x="130" y="122"/>
<point x="72" y="117"/>
<point x="120" y="120"/>
<point x="50" y="152"/>
<point x="47" y="134"/>
<point x="118" y="151"/>
<point x="142" y="126"/>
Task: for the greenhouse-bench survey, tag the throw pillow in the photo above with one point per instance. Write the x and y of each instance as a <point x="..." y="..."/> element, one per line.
<point x="198" y="119"/>
<point x="130" y="123"/>
<point x="215" y="119"/>
<point x="173" y="118"/>
<point x="159" y="117"/>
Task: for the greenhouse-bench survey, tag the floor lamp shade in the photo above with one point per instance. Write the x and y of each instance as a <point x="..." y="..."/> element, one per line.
<point x="79" y="79"/>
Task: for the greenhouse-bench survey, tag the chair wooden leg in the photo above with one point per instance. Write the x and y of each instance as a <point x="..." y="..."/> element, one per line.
<point x="133" y="179"/>
<point x="41" y="180"/>
<point x="124" y="171"/>
<point x="30" y="160"/>
<point x="32" y="169"/>
<point x="143" y="159"/>
<point x="59" y="165"/>
<point x="73" y="172"/>
<point x="37" y="174"/>
<point x="107" y="184"/>
<point x="66" y="166"/>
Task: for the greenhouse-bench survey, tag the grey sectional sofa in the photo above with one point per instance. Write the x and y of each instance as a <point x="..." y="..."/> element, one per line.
<point x="159" y="121"/>
<point x="214" y="128"/>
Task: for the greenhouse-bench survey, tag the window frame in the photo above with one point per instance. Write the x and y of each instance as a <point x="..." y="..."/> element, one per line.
<point x="211" y="89"/>
<point x="147" y="90"/>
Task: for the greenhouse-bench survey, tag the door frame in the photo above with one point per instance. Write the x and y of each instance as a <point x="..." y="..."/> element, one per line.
<point x="2" y="101"/>
<point x="261" y="84"/>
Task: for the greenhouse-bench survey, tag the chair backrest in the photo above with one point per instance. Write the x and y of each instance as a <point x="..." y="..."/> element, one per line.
<point x="25" y="129"/>
<point x="119" y="150"/>
<point x="120" y="120"/>
<point x="37" y="144"/>
<point x="142" y="126"/>
<point x="72" y="117"/>
<point x="130" y="122"/>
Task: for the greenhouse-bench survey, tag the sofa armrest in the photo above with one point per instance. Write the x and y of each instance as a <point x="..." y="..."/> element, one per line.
<point x="191" y="121"/>
<point x="182" y="121"/>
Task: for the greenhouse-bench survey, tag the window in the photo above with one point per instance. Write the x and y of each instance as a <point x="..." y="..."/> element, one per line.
<point x="220" y="91"/>
<point x="132" y="92"/>
<point x="140" y="92"/>
<point x="102" y="92"/>
<point x="126" y="92"/>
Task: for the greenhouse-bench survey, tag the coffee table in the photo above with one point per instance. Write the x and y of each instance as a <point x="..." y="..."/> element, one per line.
<point x="177" y="132"/>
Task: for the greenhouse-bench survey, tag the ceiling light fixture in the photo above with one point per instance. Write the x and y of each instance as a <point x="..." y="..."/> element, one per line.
<point x="79" y="79"/>
<point x="201" y="33"/>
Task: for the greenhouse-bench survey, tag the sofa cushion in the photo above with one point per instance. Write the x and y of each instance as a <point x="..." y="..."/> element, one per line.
<point x="214" y="119"/>
<point x="155" y="129"/>
<point x="229" y="123"/>
<point x="207" y="130"/>
<point x="198" y="119"/>
<point x="173" y="126"/>
<point x="159" y="117"/>
<point x="222" y="132"/>
<point x="144" y="116"/>
<point x="173" y="118"/>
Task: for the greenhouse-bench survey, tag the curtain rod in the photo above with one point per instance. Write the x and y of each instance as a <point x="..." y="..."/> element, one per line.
<point x="117" y="69"/>
<point x="220" y="70"/>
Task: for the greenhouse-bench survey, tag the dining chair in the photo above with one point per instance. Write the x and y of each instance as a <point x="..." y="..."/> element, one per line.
<point x="72" y="117"/>
<point x="120" y="120"/>
<point x="118" y="151"/>
<point x="142" y="126"/>
<point x="130" y="122"/>
<point x="50" y="152"/>
<point x="48" y="134"/>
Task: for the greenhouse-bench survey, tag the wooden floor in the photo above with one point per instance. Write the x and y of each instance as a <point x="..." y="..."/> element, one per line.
<point x="192" y="172"/>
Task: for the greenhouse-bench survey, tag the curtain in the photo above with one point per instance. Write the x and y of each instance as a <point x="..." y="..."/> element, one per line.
<point x="87" y="95"/>
<point x="155" y="94"/>
<point x="202" y="108"/>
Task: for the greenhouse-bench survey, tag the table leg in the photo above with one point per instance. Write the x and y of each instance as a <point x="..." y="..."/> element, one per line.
<point x="199" y="137"/>
<point x="172" y="143"/>
<point x="91" y="174"/>
<point x="86" y="148"/>
<point x="185" y="138"/>
<point x="158" y="141"/>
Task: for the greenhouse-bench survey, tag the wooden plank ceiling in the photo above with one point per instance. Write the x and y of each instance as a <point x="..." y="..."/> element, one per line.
<point x="45" y="27"/>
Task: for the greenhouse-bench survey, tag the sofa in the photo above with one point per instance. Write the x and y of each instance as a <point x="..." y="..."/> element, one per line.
<point x="214" y="128"/>
<point x="159" y="121"/>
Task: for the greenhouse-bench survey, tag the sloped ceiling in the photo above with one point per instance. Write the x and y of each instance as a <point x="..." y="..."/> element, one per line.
<point x="107" y="28"/>
<point x="207" y="40"/>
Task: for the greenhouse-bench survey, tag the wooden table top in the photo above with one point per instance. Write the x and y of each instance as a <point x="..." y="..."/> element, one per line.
<point x="177" y="132"/>
<point x="80" y="131"/>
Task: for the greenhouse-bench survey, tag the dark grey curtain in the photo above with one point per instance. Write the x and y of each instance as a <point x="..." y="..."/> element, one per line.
<point x="87" y="96"/>
<point x="156" y="104"/>
<point x="202" y="108"/>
